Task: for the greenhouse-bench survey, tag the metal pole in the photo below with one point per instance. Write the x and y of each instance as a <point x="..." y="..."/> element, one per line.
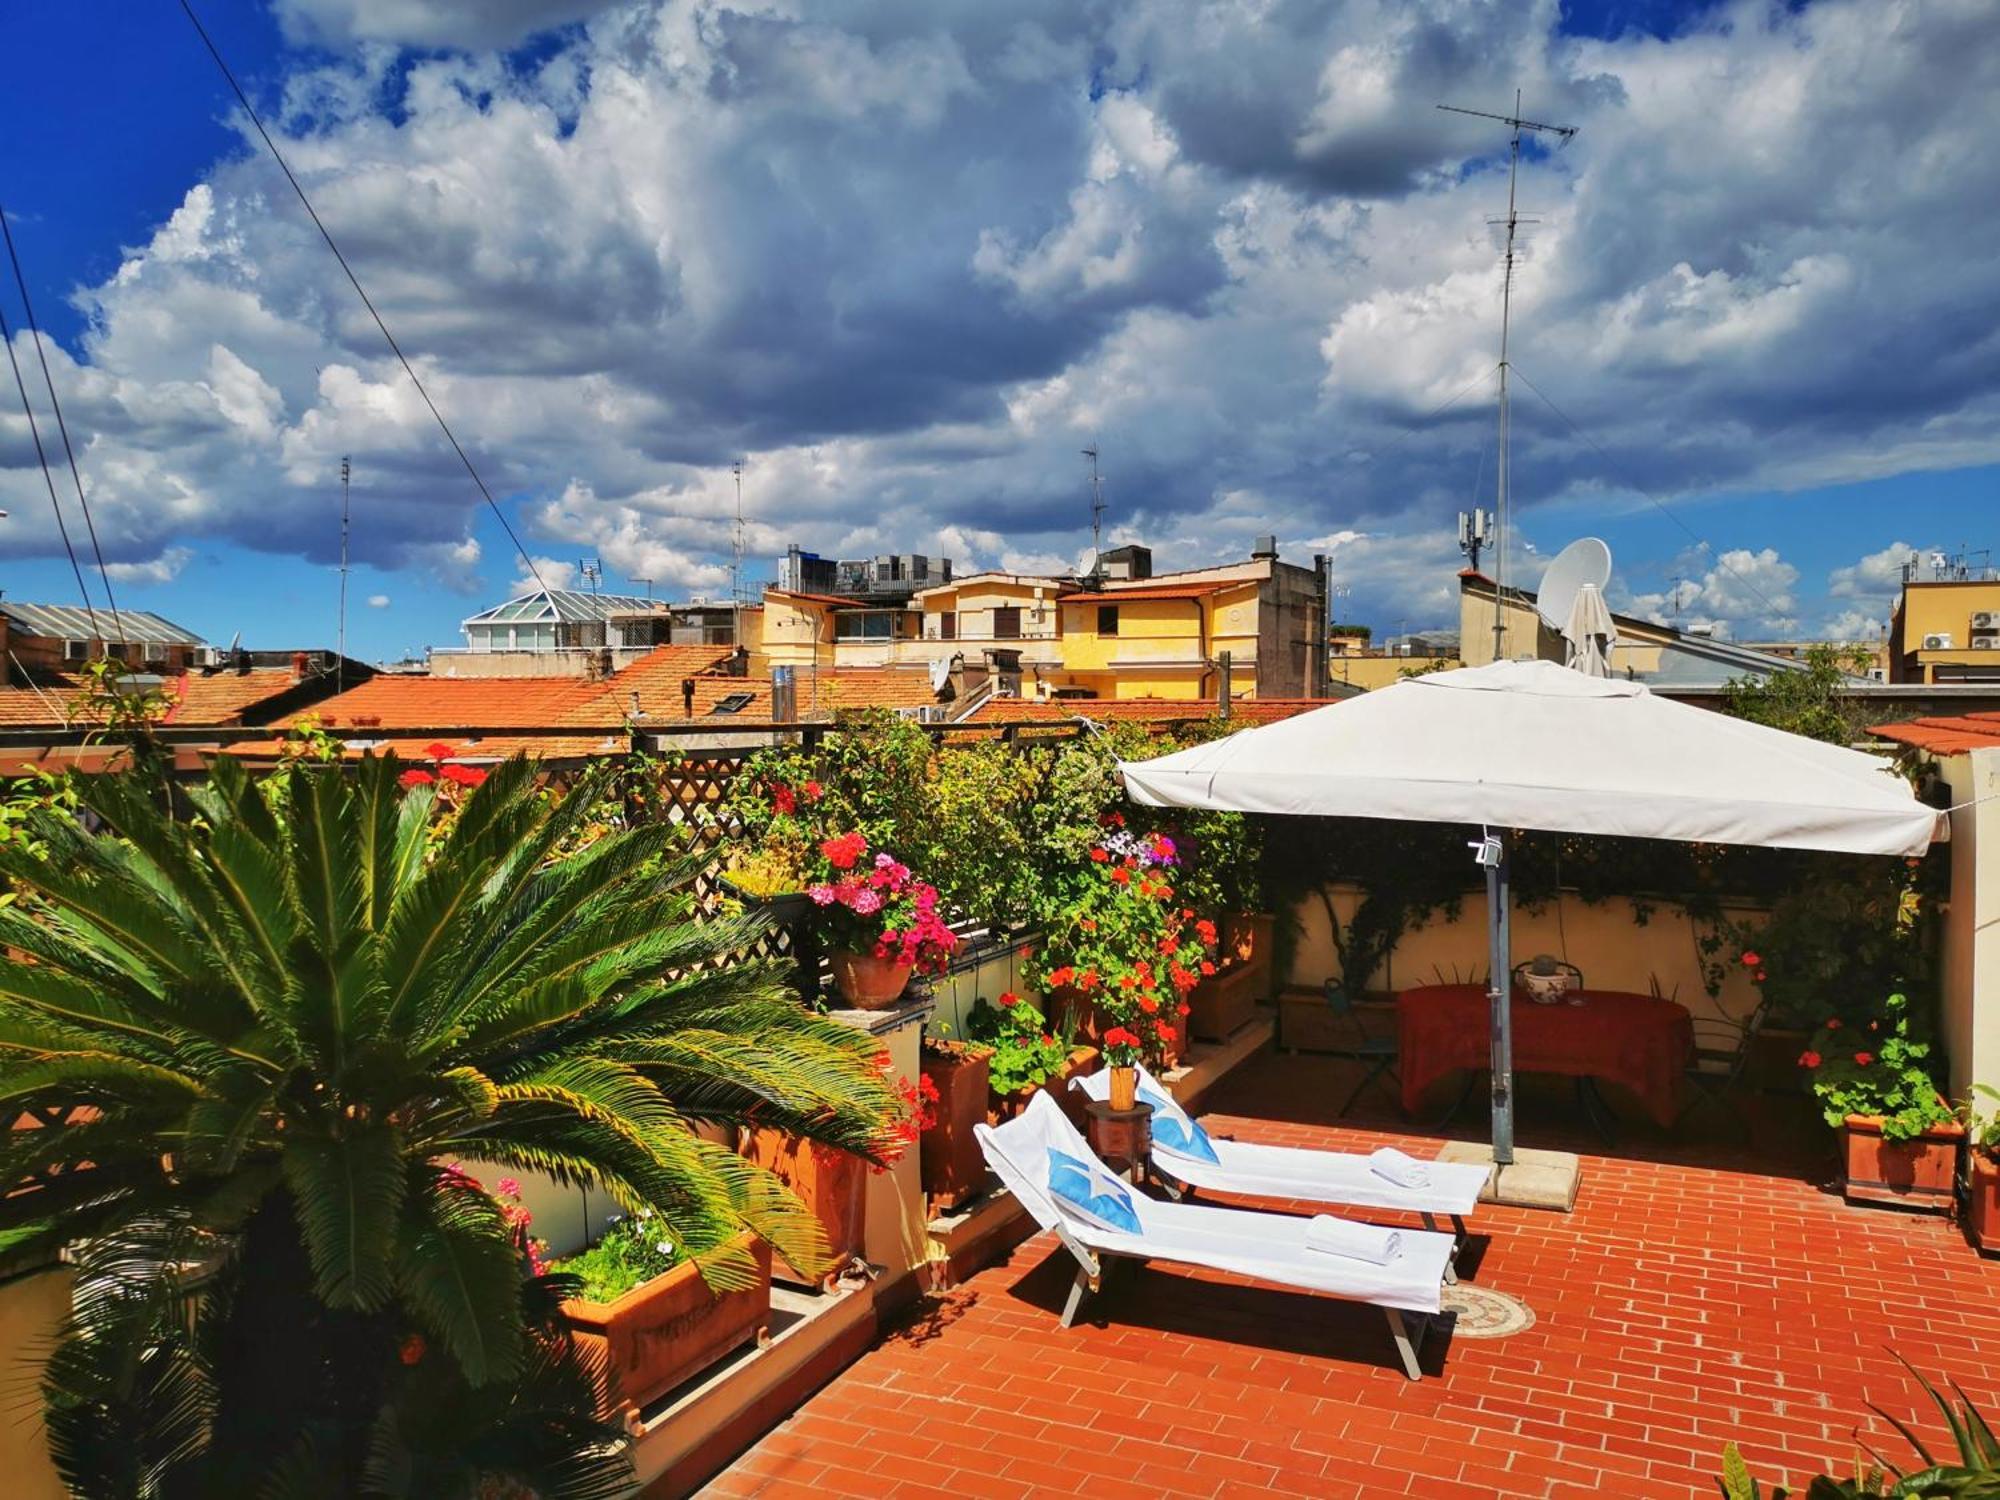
<point x="1499" y="995"/>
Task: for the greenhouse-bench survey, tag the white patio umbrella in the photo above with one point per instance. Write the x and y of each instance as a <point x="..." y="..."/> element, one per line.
<point x="1534" y="745"/>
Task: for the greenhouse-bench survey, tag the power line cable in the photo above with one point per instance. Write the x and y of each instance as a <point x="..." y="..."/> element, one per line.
<point x="1652" y="500"/>
<point x="396" y="348"/>
<point x="48" y="477"/>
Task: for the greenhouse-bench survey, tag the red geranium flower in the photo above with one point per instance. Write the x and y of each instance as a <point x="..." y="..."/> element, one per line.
<point x="1099" y="855"/>
<point x="1122" y="876"/>
<point x="463" y="775"/>
<point x="412" y="1349"/>
<point x="1809" y="1059"/>
<point x="414" y="777"/>
<point x="1863" y="1059"/>
<point x="1008" y="998"/>
<point x="782" y="800"/>
<point x="1833" y="1023"/>
<point x="1207" y="967"/>
<point x="437" y="750"/>
<point x="1751" y="960"/>
<point x="814" y="791"/>
<point x="844" y="849"/>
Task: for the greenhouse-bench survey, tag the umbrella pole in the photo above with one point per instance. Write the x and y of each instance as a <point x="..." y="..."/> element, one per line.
<point x="1493" y="855"/>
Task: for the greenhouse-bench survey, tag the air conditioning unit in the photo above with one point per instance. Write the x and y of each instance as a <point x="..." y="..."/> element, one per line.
<point x="1986" y="619"/>
<point x="1986" y="643"/>
<point x="1941" y="641"/>
<point x="208" y="656"/>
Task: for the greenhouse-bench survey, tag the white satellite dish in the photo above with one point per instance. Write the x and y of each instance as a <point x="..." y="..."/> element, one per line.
<point x="1086" y="563"/>
<point x="940" y="673"/>
<point x="1584" y="561"/>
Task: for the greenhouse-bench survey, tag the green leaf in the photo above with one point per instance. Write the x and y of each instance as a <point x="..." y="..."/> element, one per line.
<point x="462" y="1275"/>
<point x="348" y="1192"/>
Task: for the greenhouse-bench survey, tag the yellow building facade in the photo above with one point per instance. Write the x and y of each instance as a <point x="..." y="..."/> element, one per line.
<point x="1946" y="630"/>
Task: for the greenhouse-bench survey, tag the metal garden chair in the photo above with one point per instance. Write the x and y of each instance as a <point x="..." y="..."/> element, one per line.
<point x="1376" y="1054"/>
<point x="1721" y="1054"/>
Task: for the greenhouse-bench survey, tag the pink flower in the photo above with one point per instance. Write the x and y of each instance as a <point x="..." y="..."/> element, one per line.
<point x="865" y="901"/>
<point x="822" y="895"/>
<point x="507" y="1187"/>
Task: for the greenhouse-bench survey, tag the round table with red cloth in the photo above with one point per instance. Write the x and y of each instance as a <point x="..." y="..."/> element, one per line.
<point x="1640" y="1042"/>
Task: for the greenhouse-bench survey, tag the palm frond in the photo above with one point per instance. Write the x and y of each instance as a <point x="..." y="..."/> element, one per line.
<point x="349" y="1191"/>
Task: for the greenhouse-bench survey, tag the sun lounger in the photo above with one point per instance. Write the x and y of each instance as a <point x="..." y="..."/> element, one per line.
<point x="1297" y="1173"/>
<point x="1264" y="1246"/>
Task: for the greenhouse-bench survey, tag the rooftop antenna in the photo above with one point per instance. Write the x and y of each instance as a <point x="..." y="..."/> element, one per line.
<point x="649" y="585"/>
<point x="1096" y="508"/>
<point x="736" y="549"/>
<point x="590" y="570"/>
<point x="1516" y="124"/>
<point x="1475" y="534"/>
<point x="340" y="627"/>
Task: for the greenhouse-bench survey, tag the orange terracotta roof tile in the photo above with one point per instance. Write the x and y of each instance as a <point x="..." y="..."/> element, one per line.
<point x="1946" y="735"/>
<point x="398" y="702"/>
<point x="224" y="697"/>
<point x="656" y="679"/>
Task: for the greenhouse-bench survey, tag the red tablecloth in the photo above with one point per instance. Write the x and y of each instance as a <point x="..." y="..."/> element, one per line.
<point x="1640" y="1042"/>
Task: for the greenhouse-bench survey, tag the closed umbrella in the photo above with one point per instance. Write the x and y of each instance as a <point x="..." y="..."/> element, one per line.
<point x="1589" y="634"/>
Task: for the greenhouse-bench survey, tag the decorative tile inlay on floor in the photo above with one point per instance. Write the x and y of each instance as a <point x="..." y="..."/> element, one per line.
<point x="1483" y="1313"/>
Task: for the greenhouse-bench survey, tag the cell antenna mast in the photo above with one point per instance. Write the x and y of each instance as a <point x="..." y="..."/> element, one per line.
<point x="1501" y="517"/>
<point x="340" y="626"/>
<point x="1096" y="507"/>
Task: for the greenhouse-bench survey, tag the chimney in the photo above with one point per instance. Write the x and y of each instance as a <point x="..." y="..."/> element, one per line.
<point x="298" y="666"/>
<point x="1266" y="549"/>
<point x="687" y="697"/>
<point x="784" y="695"/>
<point x="1222" y="684"/>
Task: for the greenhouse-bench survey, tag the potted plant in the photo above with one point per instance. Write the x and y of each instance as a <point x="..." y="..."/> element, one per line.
<point x="1982" y="1171"/>
<point x="1900" y="1138"/>
<point x="881" y="922"/>
<point x="953" y="1082"/>
<point x="1117" y="940"/>
<point x="1121" y="1056"/>
<point x="831" y="1183"/>
<point x="1029" y="1054"/>
<point x="650" y="1314"/>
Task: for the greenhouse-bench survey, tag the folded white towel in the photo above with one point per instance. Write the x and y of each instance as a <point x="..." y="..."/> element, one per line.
<point x="1395" y="1166"/>
<point x="1367" y="1242"/>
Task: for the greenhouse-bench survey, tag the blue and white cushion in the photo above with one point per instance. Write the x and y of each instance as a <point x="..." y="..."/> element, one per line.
<point x="1173" y="1130"/>
<point x="1092" y="1194"/>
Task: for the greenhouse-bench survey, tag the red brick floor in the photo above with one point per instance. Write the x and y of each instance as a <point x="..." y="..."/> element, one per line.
<point x="1699" y="1294"/>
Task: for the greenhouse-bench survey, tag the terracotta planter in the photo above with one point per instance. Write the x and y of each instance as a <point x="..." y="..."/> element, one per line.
<point x="1920" y="1174"/>
<point x="832" y="1184"/>
<point x="667" y="1330"/>
<point x="1982" y="1205"/>
<point x="1222" y="1002"/>
<point x="867" y="982"/>
<point x="1071" y="1012"/>
<point x="1124" y="1088"/>
<point x="953" y="1167"/>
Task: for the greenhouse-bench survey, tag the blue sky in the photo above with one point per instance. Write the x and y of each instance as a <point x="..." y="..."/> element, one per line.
<point x="906" y="261"/>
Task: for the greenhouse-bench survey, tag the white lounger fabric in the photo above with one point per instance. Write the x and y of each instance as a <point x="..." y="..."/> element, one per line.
<point x="1307" y="1176"/>
<point x="1267" y="1247"/>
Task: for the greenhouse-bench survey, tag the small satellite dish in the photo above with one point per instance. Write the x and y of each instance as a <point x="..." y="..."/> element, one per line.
<point x="1585" y="560"/>
<point x="1086" y="563"/>
<point x="940" y="673"/>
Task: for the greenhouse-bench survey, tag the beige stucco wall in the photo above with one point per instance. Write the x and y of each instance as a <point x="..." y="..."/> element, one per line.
<point x="32" y="1308"/>
<point x="1602" y="939"/>
<point x="1970" y="949"/>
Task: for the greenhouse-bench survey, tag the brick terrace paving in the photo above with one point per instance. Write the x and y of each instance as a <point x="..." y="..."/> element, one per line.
<point x="1681" y="1306"/>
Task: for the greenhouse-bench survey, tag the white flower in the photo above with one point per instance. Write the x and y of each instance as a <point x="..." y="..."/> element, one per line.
<point x="665" y="1247"/>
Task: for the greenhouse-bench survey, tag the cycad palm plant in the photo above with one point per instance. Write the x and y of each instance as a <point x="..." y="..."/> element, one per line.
<point x="287" y="1016"/>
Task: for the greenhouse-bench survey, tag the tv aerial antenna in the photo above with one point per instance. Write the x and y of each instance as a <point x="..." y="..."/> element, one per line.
<point x="590" y="570"/>
<point x="340" y="623"/>
<point x="1519" y="127"/>
<point x="1096" y="507"/>
<point x="738" y="546"/>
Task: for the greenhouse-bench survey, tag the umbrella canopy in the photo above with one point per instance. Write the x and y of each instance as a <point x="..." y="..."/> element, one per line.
<point x="1530" y="744"/>
<point x="1589" y="633"/>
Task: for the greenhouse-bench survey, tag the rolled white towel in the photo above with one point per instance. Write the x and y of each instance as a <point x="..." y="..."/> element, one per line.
<point x="1368" y="1242"/>
<point x="1403" y="1170"/>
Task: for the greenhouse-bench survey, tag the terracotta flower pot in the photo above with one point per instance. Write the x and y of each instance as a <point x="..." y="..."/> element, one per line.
<point x="1124" y="1087"/>
<point x="1920" y="1174"/>
<point x="667" y="1330"/>
<point x="867" y="982"/>
<point x="831" y="1184"/>
<point x="1222" y="1002"/>
<point x="1248" y="937"/>
<point x="952" y="1165"/>
<point x="1982" y="1208"/>
<point x="1078" y="1014"/>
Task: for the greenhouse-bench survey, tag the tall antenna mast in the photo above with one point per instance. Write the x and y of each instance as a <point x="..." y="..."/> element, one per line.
<point x="1096" y="508"/>
<point x="736" y="548"/>
<point x="340" y="628"/>
<point x="1513" y="221"/>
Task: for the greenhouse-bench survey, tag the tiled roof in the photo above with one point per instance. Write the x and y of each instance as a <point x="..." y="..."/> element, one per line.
<point x="1946" y="735"/>
<point x="1243" y="711"/>
<point x="656" y="677"/>
<point x="194" y="699"/>
<point x="864" y="687"/>
<point x="394" y="702"/>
